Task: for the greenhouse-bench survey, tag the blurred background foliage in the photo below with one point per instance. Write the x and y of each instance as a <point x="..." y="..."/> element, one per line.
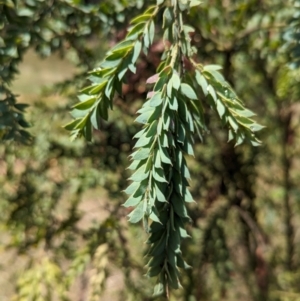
<point x="64" y="234"/>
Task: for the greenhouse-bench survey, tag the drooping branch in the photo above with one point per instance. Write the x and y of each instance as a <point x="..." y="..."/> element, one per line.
<point x="171" y="116"/>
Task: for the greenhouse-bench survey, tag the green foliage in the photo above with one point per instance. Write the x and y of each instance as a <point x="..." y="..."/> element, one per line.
<point x="171" y="116"/>
<point x="47" y="26"/>
<point x="243" y="242"/>
<point x="230" y="108"/>
<point x="96" y="99"/>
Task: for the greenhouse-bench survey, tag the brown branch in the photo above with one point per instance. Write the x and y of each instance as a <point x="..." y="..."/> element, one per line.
<point x="259" y="236"/>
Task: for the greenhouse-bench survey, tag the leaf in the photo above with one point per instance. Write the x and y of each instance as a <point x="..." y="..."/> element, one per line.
<point x="149" y="163"/>
<point x="23" y="123"/>
<point x="212" y="92"/>
<point x="220" y="108"/>
<point x="159" y="288"/>
<point x="255" y="143"/>
<point x="21" y="106"/>
<point x="177" y="178"/>
<point x="111" y="64"/>
<point x="245" y="113"/>
<point x="132" y="188"/>
<point x="74" y="134"/>
<point x="158" y="175"/>
<point x="173" y="104"/>
<point x="139" y="175"/>
<point x="150" y="9"/>
<point x="154" y="271"/>
<point x="175" y="81"/>
<point x="159" y="126"/>
<point x="167" y="17"/>
<point x="119" y="53"/>
<point x="146" y="38"/>
<point x="72" y="125"/>
<point x="158" y="247"/>
<point x="98" y="88"/>
<point x="137" y="214"/>
<point x="166" y="123"/>
<point x="157" y="162"/>
<point x="244" y="121"/>
<point x="183" y="233"/>
<point x="187" y="196"/>
<point x="169" y="89"/>
<point x="132" y="201"/>
<point x="156" y="99"/>
<point x="135" y="164"/>
<point x="202" y="82"/>
<point x="239" y="139"/>
<point x="82" y="123"/>
<point x="103" y="109"/>
<point x="164" y="155"/>
<point x="181" y="263"/>
<point x="161" y="82"/>
<point x="141" y="154"/>
<point x="96" y="118"/>
<point x="160" y="193"/>
<point x="143" y="118"/>
<point x="143" y="141"/>
<point x="141" y="18"/>
<point x="109" y="89"/>
<point x="150" y="94"/>
<point x="257" y="127"/>
<point x="185" y="171"/>
<point x="151" y="131"/>
<point x="230" y="136"/>
<point x="122" y="70"/>
<point x="179" y="206"/>
<point x="212" y="68"/>
<point x="174" y="241"/>
<point x="154" y="237"/>
<point x="187" y="29"/>
<point x="136" y="51"/>
<point x="136" y="30"/>
<point x="217" y="76"/>
<point x="182" y="110"/>
<point x="85" y="105"/>
<point x="172" y="257"/>
<point x="107" y="72"/>
<point x="155" y="115"/>
<point x="183" y="5"/>
<point x="154" y="216"/>
<point x="188" y="148"/>
<point x="151" y="31"/>
<point x="87" y="130"/>
<point x="164" y="139"/>
<point x="181" y="133"/>
<point x="192" y="119"/>
<point x="120" y="45"/>
<point x="188" y="91"/>
<point x="140" y="133"/>
<point x="195" y="3"/>
<point x="233" y="123"/>
<point x="152" y="79"/>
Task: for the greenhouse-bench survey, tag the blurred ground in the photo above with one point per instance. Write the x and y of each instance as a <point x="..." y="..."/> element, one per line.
<point x="37" y="73"/>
